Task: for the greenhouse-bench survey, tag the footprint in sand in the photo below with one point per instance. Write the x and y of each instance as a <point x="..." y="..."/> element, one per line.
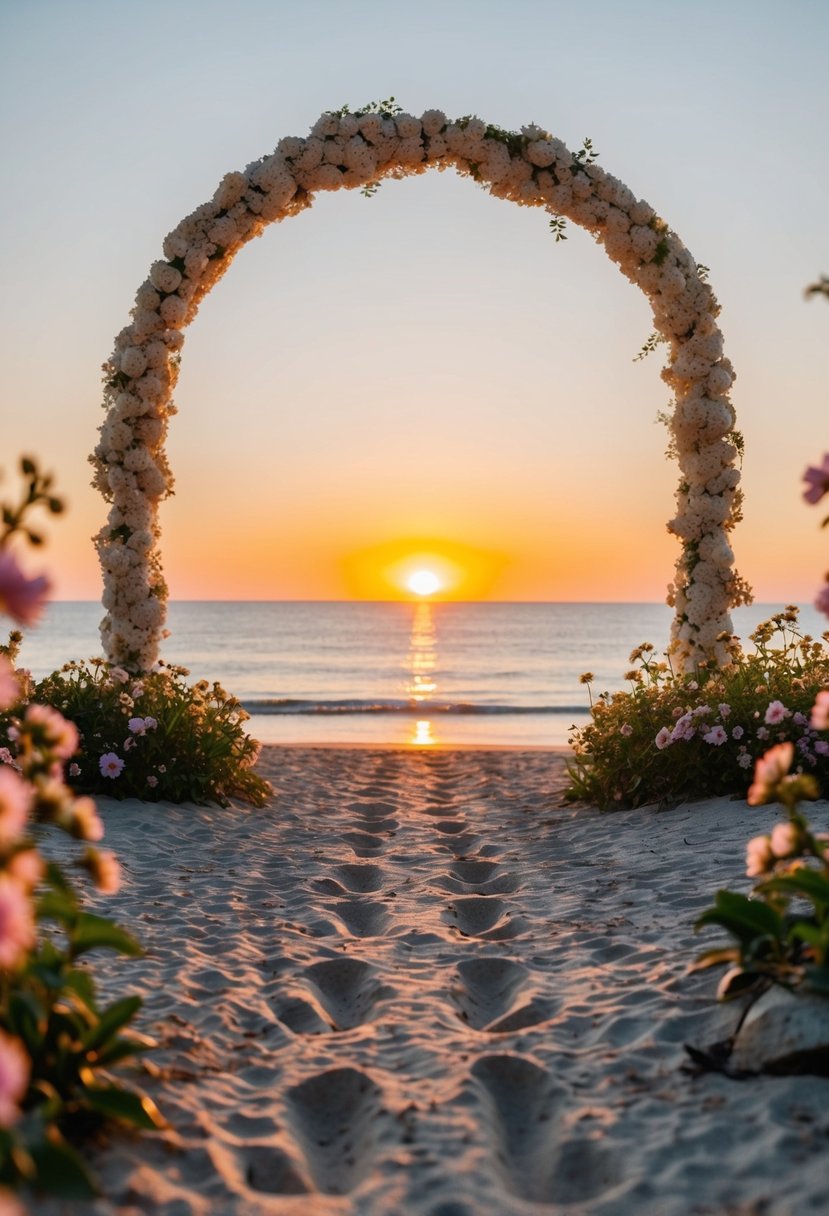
<point x="342" y="993"/>
<point x="535" y="1161"/>
<point x="337" y="1119"/>
<point x="483" y="916"/>
<point x="488" y="994"/>
<point x="361" y="917"/>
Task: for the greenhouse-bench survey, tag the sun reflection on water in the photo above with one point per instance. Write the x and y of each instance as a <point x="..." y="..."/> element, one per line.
<point x="421" y="664"/>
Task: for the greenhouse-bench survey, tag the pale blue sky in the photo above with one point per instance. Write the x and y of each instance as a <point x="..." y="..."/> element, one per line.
<point x="428" y="361"/>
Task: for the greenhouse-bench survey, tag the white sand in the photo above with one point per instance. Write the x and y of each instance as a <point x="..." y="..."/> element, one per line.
<point x="415" y="984"/>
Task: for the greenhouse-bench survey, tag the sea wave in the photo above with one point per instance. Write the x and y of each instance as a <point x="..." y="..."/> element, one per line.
<point x="421" y="709"/>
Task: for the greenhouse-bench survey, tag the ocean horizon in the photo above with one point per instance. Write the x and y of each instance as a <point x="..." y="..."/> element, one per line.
<point x="490" y="673"/>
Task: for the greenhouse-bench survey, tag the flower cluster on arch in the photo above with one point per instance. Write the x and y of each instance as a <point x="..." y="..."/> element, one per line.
<point x="348" y="150"/>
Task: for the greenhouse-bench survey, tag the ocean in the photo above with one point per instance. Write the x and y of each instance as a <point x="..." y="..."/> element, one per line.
<point x="404" y="673"/>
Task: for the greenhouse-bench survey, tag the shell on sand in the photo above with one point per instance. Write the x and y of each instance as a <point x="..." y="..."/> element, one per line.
<point x="783" y="1032"/>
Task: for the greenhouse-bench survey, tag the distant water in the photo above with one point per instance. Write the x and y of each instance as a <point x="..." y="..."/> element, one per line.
<point x="396" y="673"/>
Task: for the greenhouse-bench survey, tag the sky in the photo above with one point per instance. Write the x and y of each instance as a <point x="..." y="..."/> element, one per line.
<point x="423" y="376"/>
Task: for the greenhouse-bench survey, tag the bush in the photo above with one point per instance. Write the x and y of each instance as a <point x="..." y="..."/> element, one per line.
<point x="154" y="736"/>
<point x="678" y="737"/>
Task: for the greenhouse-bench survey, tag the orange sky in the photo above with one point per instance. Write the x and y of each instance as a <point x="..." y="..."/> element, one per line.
<point x="426" y="372"/>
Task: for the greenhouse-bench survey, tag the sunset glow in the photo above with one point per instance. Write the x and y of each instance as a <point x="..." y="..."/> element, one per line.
<point x="424" y="582"/>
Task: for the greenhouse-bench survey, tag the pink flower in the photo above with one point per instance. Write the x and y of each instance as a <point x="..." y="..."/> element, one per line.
<point x="776" y="713"/>
<point x="26" y="868"/>
<point x="762" y="733"/>
<point x="785" y="839"/>
<point x="817" y="481"/>
<point x="15" y="801"/>
<point x="20" y="597"/>
<point x="822" y="600"/>
<point x="822" y="747"/>
<point x="769" y="770"/>
<point x="17" y="925"/>
<point x="737" y="732"/>
<point x="626" y="729"/>
<point x="58" y="734"/>
<point x="152" y="781"/>
<point x="9" y="686"/>
<point x="759" y="857"/>
<point x="664" y="738"/>
<point x="744" y="760"/>
<point x="724" y="709"/>
<point x="684" y="728"/>
<point x="119" y="675"/>
<point x="85" y="823"/>
<point x="716" y="736"/>
<point x="820" y="711"/>
<point x="14" y="1077"/>
<point x="150" y="724"/>
<point x="111" y="765"/>
<point x="105" y="871"/>
<point x="74" y="770"/>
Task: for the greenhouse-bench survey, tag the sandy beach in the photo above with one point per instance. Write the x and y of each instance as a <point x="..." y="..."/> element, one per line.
<point x="417" y="983"/>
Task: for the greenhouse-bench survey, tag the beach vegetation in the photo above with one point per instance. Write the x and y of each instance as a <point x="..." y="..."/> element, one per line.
<point x="58" y="1040"/>
<point x="156" y="737"/>
<point x="676" y="736"/>
<point x="779" y="934"/>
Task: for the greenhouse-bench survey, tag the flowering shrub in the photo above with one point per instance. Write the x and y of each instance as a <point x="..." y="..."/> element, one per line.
<point x="781" y="935"/>
<point x="346" y="150"/>
<point x="57" y="1042"/>
<point x="153" y="738"/>
<point x="676" y="736"/>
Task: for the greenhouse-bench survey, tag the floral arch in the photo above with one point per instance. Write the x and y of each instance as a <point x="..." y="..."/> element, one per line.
<point x="357" y="150"/>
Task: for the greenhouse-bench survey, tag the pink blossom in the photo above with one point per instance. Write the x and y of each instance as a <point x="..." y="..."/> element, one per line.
<point x="724" y="709"/>
<point x="150" y="723"/>
<point x="776" y="713"/>
<point x="58" y="734"/>
<point x="817" y="481"/>
<point x="119" y="675"/>
<point x="111" y="765"/>
<point x="129" y="743"/>
<point x="152" y="780"/>
<point x="27" y="868"/>
<point x="105" y="871"/>
<point x="684" y="728"/>
<point x="664" y="738"/>
<point x="9" y="686"/>
<point x="137" y="691"/>
<point x="785" y="839"/>
<point x="20" y="597"/>
<point x="15" y="801"/>
<point x="820" y="711"/>
<point x="14" y="1077"/>
<point x="822" y="600"/>
<point x="762" y="733"/>
<point x="74" y="770"/>
<point x="744" y="760"/>
<point x="822" y="747"/>
<point x="759" y="856"/>
<point x="85" y="823"/>
<point x="716" y="736"/>
<point x="6" y="757"/>
<point x="737" y="732"/>
<point x="769" y="771"/>
<point x="17" y="925"/>
<point x="626" y="729"/>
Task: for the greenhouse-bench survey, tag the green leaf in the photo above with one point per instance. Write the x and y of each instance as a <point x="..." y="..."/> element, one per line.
<point x="56" y="905"/>
<point x="745" y="918"/>
<point x="82" y="985"/>
<point x="131" y="1044"/>
<point x="124" y="1104"/>
<point x="61" y="1171"/>
<point x="802" y="882"/>
<point x="112" y="1020"/>
<point x="24" y="1013"/>
<point x="92" y="931"/>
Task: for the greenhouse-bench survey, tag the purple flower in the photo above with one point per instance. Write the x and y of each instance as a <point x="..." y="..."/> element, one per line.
<point x="737" y="732"/>
<point x="110" y="765"/>
<point x="822" y="747"/>
<point x="716" y="736"/>
<point x="776" y="713"/>
<point x="664" y="738"/>
<point x="817" y="480"/>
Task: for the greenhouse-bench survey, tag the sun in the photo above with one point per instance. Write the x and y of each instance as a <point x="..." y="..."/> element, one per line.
<point x="423" y="582"/>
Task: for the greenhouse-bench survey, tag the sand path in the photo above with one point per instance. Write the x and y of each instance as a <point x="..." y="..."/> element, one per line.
<point x="415" y="984"/>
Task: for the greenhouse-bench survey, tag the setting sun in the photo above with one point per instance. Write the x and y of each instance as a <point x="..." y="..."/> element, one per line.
<point x="423" y="582"/>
